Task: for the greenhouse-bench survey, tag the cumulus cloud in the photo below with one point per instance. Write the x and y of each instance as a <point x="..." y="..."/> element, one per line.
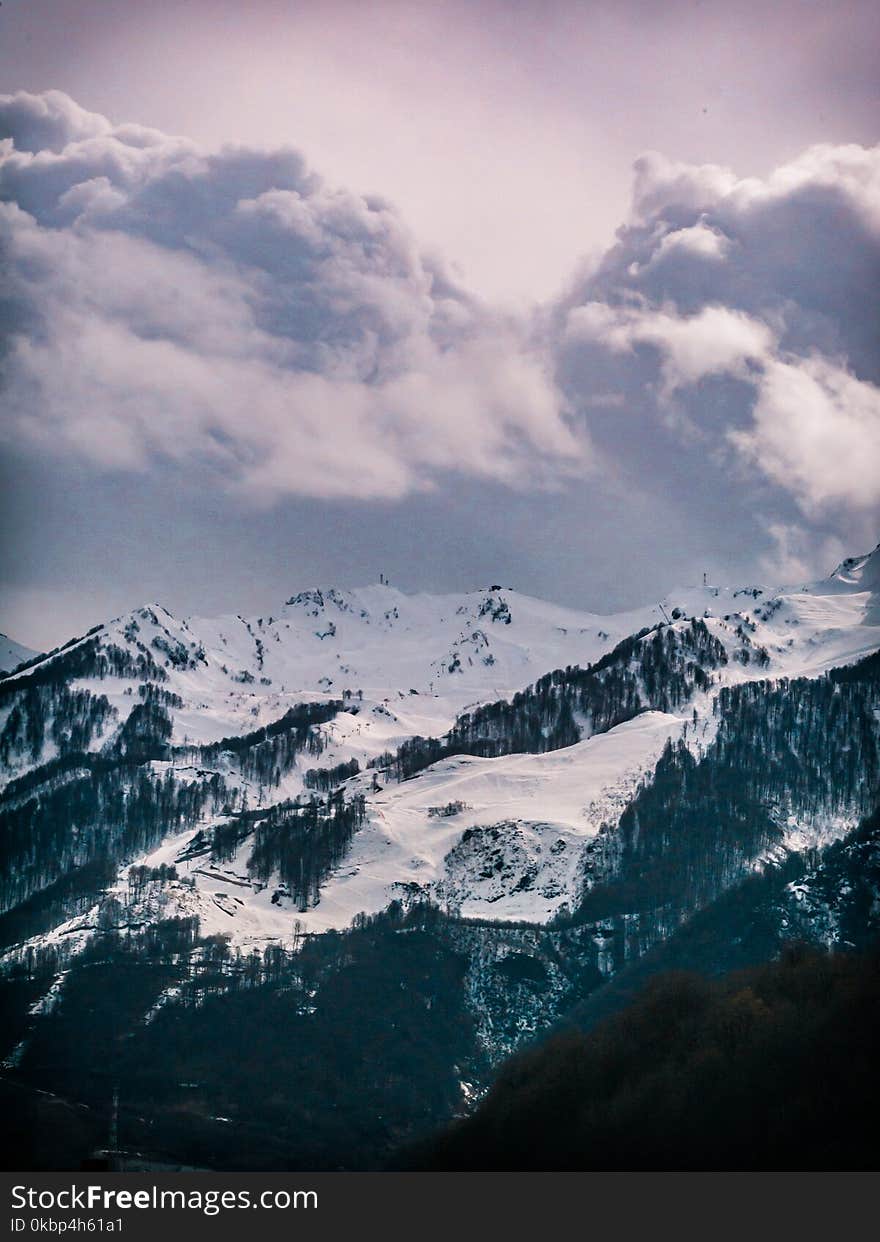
<point x="740" y="316"/>
<point x="47" y="122"/>
<point x="231" y="311"/>
<point x="816" y="431"/>
<point x="712" y="342"/>
<point x="699" y="239"/>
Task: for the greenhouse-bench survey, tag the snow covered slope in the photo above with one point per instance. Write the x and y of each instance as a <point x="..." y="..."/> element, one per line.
<point x="12" y="654"/>
<point x="500" y="838"/>
<point x="414" y="662"/>
<point x="509" y="837"/>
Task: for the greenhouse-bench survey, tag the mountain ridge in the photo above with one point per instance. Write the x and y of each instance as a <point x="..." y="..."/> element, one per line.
<point x="12" y="654"/>
<point x="208" y="680"/>
<point x="292" y="827"/>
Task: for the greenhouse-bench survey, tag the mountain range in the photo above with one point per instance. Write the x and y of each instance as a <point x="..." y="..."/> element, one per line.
<point x="332" y="865"/>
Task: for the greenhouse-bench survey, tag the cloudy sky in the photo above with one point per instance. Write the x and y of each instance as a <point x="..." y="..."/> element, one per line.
<point x="578" y="297"/>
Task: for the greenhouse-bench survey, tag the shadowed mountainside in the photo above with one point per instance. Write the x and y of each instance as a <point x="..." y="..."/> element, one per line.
<point x="772" y="1068"/>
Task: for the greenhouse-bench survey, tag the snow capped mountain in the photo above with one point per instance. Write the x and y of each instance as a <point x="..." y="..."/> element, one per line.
<point x="374" y="643"/>
<point x="374" y="830"/>
<point x="255" y="717"/>
<point x="12" y="654"/>
<point x="859" y="573"/>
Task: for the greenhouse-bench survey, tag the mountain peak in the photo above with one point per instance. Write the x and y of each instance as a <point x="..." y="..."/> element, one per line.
<point x="859" y="573"/>
<point x="12" y="654"/>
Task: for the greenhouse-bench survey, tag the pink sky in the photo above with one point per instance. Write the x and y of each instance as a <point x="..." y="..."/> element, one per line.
<point x="504" y="131"/>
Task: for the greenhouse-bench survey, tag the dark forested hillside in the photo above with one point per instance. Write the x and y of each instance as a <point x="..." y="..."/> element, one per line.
<point x="805" y="751"/>
<point x="324" y="1058"/>
<point x="773" y="1069"/>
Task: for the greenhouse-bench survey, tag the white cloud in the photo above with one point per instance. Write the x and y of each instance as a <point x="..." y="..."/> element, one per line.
<point x="48" y="122"/>
<point x="814" y="427"/>
<point x="715" y="341"/>
<point x="816" y="432"/>
<point x="232" y="313"/>
<point x="696" y="239"/>
<point x="768" y="288"/>
<point x="661" y="183"/>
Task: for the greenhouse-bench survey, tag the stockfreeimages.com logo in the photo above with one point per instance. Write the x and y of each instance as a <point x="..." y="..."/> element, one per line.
<point x="210" y="1202"/>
